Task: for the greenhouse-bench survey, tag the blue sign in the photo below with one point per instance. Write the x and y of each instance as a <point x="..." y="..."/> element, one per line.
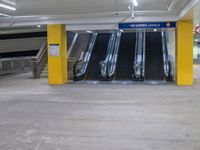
<point x="147" y="25"/>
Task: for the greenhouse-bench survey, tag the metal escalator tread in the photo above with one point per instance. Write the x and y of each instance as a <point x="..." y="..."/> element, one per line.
<point x="154" y="57"/>
<point x="124" y="68"/>
<point x="98" y="54"/>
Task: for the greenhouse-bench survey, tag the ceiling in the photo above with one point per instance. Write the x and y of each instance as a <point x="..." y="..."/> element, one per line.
<point x="60" y="7"/>
<point x="75" y="12"/>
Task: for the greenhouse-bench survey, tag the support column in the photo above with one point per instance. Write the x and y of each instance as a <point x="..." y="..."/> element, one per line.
<point x="57" y="54"/>
<point x="184" y="53"/>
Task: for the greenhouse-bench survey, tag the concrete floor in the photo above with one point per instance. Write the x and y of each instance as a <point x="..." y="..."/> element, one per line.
<point x="36" y="116"/>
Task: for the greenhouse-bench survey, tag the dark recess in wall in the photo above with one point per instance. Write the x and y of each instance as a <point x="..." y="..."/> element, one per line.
<point x="23" y="35"/>
<point x="27" y="35"/>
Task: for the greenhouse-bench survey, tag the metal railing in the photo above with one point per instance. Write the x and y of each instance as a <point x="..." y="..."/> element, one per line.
<point x="139" y="59"/>
<point x="104" y="63"/>
<point x="39" y="61"/>
<point x="71" y="61"/>
<point x="144" y="54"/>
<point x="15" y="65"/>
<point x="113" y="61"/>
<point x="80" y="67"/>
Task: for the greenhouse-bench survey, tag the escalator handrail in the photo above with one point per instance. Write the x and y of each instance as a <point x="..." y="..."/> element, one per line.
<point x="113" y="61"/>
<point x="165" y="55"/>
<point x="73" y="44"/>
<point x="104" y="64"/>
<point x="135" y="57"/>
<point x="138" y="59"/>
<point x="86" y="58"/>
<point x="144" y="54"/>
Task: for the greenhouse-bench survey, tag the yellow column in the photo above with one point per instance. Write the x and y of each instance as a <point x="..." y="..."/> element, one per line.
<point x="57" y="54"/>
<point x="184" y="53"/>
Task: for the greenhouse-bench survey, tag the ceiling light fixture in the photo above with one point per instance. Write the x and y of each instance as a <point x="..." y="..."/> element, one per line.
<point x="7" y="7"/>
<point x="4" y="15"/>
<point x="132" y="8"/>
<point x="135" y="3"/>
<point x="89" y="31"/>
<point x="39" y="26"/>
<point x="129" y="7"/>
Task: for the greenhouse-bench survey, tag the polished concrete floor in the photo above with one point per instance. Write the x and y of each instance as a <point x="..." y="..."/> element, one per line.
<point x="36" y="116"/>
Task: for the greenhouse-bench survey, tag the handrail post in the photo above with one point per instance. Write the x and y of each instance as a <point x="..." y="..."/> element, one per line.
<point x="22" y="63"/>
<point x="12" y="64"/>
<point x="1" y="65"/>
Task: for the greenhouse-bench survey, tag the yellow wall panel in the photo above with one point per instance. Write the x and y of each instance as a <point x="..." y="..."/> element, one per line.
<point x="184" y="53"/>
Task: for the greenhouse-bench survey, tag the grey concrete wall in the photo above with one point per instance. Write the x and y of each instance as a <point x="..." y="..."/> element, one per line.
<point x="14" y="45"/>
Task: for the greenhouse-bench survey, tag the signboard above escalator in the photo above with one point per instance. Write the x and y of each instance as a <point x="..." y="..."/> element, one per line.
<point x="147" y="25"/>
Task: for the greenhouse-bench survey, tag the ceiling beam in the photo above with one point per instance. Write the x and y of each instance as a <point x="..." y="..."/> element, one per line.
<point x="187" y="13"/>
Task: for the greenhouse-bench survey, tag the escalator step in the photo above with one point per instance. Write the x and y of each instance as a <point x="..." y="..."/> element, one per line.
<point x="124" y="69"/>
<point x="154" y="56"/>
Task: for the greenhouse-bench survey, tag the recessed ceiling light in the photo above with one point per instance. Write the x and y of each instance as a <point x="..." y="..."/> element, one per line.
<point x="39" y="26"/>
<point x="89" y="31"/>
<point x="155" y="30"/>
<point x="129" y="7"/>
<point x="7" y="6"/>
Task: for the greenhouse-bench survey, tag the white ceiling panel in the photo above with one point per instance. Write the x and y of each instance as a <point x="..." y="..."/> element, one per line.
<point x="45" y="11"/>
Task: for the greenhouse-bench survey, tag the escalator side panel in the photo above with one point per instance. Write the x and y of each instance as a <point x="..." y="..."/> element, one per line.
<point x="154" y="57"/>
<point x="99" y="53"/>
<point x="126" y="53"/>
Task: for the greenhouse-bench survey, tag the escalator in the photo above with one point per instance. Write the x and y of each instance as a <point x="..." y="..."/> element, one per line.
<point x="154" y="56"/>
<point x="98" y="54"/>
<point x="81" y="66"/>
<point x="124" y="70"/>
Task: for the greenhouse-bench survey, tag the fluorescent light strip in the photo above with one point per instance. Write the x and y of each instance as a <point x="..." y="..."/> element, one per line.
<point x="9" y="2"/>
<point x="172" y="5"/>
<point x="88" y="31"/>
<point x="135" y="2"/>
<point x="4" y="15"/>
<point x="7" y="7"/>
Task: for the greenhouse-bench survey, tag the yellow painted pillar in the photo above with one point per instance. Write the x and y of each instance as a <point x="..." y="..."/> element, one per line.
<point x="57" y="54"/>
<point x="184" y="53"/>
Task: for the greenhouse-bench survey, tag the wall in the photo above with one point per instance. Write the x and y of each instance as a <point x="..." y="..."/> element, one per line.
<point x="25" y="44"/>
